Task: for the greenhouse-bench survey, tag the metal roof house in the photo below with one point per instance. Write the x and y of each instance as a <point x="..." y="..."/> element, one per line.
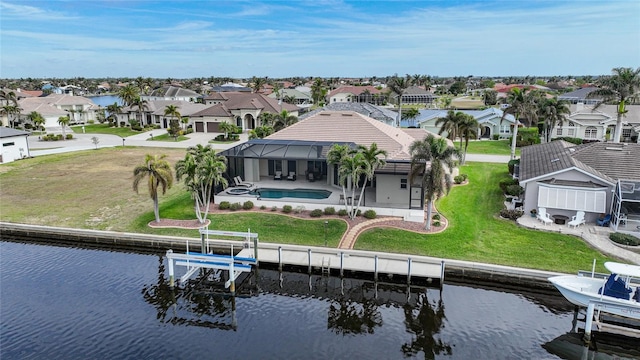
<point x="597" y="178"/>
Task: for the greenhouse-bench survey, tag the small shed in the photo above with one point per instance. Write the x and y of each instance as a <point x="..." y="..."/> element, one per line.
<point x="13" y="145"/>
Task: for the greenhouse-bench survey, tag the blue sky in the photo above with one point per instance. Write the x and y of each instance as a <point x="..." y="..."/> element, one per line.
<point x="326" y="38"/>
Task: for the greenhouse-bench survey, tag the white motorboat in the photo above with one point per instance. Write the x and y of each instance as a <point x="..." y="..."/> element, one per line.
<point x="617" y="294"/>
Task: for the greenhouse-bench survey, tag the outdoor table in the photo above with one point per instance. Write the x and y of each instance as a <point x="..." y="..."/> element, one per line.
<point x="560" y="219"/>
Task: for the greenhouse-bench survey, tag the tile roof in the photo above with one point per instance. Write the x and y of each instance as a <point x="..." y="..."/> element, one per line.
<point x="372" y="111"/>
<point x="632" y="116"/>
<point x="577" y="94"/>
<point x="215" y="110"/>
<point x="173" y="91"/>
<point x="607" y="161"/>
<point x="355" y="90"/>
<point x="234" y="100"/>
<point x="350" y="126"/>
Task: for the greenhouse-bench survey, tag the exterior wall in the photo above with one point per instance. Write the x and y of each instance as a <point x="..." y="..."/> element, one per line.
<point x="13" y="148"/>
<point x="388" y="190"/>
<point x="531" y="194"/>
<point x="251" y="170"/>
<point x="340" y="97"/>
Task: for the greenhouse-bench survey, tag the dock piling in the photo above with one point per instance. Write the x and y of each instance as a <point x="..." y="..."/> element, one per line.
<point x="409" y="271"/>
<point x="309" y="253"/>
<point x="375" y="268"/>
<point x="342" y="263"/>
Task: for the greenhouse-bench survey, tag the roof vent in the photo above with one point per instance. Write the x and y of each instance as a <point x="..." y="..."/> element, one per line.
<point x="613" y="148"/>
<point x="554" y="160"/>
<point x="324" y="114"/>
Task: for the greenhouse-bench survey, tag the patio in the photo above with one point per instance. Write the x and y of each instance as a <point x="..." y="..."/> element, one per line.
<point x="368" y="201"/>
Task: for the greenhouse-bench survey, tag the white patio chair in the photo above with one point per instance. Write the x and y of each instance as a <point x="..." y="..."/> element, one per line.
<point x="577" y="219"/>
<point x="544" y="217"/>
<point x="238" y="181"/>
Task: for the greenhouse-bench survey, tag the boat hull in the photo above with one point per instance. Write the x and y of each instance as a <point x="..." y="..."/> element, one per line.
<point x="581" y="291"/>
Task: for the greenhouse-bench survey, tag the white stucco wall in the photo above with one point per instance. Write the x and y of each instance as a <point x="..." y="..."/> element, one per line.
<point x="10" y="148"/>
<point x="388" y="190"/>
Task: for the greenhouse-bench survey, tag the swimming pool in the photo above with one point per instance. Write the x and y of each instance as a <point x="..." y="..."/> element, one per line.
<point x="273" y="193"/>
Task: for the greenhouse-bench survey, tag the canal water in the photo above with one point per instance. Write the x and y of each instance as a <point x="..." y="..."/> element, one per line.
<point x="105" y="100"/>
<point x="70" y="303"/>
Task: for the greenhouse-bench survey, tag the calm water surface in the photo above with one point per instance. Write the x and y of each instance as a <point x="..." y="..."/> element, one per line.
<point x="105" y="100"/>
<point x="68" y="303"/>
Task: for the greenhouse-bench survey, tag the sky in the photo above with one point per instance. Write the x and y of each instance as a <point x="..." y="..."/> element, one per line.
<point x="319" y="38"/>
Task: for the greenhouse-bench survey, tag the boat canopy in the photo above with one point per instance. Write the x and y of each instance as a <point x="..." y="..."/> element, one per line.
<point x="623" y="269"/>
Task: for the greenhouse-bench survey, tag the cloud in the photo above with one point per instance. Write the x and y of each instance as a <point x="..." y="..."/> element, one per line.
<point x="13" y="11"/>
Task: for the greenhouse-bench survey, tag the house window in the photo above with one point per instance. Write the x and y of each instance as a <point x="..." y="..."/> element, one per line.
<point x="403" y="183"/>
<point x="626" y="133"/>
<point x="590" y="132"/>
<point x="274" y="165"/>
<point x="559" y="131"/>
<point x="572" y="129"/>
<point x="8" y="144"/>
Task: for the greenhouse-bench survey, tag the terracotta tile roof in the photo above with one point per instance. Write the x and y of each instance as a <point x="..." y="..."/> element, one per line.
<point x="215" y="110"/>
<point x="355" y="90"/>
<point x="234" y="100"/>
<point x="350" y="126"/>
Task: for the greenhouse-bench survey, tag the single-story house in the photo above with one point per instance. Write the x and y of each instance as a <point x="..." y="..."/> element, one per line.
<point x="586" y="123"/>
<point x="302" y="149"/>
<point x="565" y="178"/>
<point x="489" y="120"/>
<point x="13" y="144"/>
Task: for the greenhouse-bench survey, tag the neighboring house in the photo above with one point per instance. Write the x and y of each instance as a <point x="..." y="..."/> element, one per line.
<point x="244" y="109"/>
<point x="588" y="124"/>
<point x="366" y="94"/>
<point x="580" y="96"/>
<point x="302" y="99"/>
<point x="79" y="109"/>
<point x="376" y="112"/>
<point x="172" y="93"/>
<point x="230" y="87"/>
<point x="565" y="178"/>
<point x="414" y="95"/>
<point x="13" y="145"/>
<point x="489" y="120"/>
<point x="154" y="113"/>
<point x="302" y="149"/>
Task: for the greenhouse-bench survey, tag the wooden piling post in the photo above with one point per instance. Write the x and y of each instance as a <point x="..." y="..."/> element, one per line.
<point x="280" y="258"/>
<point x="441" y="274"/>
<point x="409" y="271"/>
<point x="309" y="256"/>
<point x="171" y="275"/>
<point x="588" y="322"/>
<point x="342" y="263"/>
<point x="375" y="268"/>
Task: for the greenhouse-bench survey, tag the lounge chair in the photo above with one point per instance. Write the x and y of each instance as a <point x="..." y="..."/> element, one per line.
<point x="278" y="175"/>
<point x="310" y="177"/>
<point x="577" y="219"/>
<point x="292" y="176"/>
<point x="604" y="221"/>
<point x="341" y="201"/>
<point x="544" y="217"/>
<point x="238" y="181"/>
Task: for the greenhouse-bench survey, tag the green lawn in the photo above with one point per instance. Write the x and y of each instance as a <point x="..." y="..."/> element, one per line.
<point x="167" y="137"/>
<point x="104" y="129"/>
<point x="493" y="147"/>
<point x="476" y="234"/>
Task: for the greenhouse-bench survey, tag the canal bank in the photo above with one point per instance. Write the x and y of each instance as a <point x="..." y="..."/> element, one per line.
<point x="455" y="270"/>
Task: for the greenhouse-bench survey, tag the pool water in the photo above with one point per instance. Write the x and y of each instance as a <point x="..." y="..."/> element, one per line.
<point x="273" y="193"/>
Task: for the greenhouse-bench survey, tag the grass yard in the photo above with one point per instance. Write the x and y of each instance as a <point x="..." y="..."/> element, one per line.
<point x="167" y="137"/>
<point x="476" y="234"/>
<point x="493" y="147"/>
<point x="104" y="129"/>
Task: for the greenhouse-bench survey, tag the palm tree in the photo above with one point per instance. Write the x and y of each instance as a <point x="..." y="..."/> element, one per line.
<point x="318" y="92"/>
<point x="283" y="120"/>
<point x="467" y="129"/>
<point x="257" y="84"/>
<point x="11" y="111"/>
<point x="114" y="109"/>
<point x="523" y="106"/>
<point x="226" y="128"/>
<point x="398" y="85"/>
<point x="622" y="88"/>
<point x="184" y="121"/>
<point x="430" y="159"/>
<point x="202" y="170"/>
<point x="449" y="124"/>
<point x="374" y="158"/>
<point x="172" y="111"/>
<point x="129" y="94"/>
<point x="159" y="174"/>
<point x="411" y="114"/>
<point x="554" y="112"/>
<point x="37" y="120"/>
<point x="63" y="121"/>
<point x="141" y="105"/>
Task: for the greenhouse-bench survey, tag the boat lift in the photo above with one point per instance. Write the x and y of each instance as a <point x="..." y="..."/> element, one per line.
<point x="235" y="265"/>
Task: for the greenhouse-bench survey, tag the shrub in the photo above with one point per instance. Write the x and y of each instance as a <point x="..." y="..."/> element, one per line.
<point x="263" y="207"/>
<point x="59" y="137"/>
<point x="329" y="210"/>
<point x="189" y="131"/>
<point x="234" y="206"/>
<point x="274" y="208"/>
<point x="458" y="179"/>
<point x="224" y="205"/>
<point x="342" y="212"/>
<point x="248" y="205"/>
<point x="136" y="127"/>
<point x="512" y="164"/>
<point x="91" y="122"/>
<point x="506" y="183"/>
<point x="69" y="136"/>
<point x="298" y="209"/>
<point x="287" y="209"/>
<point x="359" y="212"/>
<point x="219" y="137"/>
<point x="464" y="176"/>
<point x="572" y="140"/>
<point x="495" y="137"/>
<point x="511" y="214"/>
<point x="370" y="214"/>
<point x="514" y="190"/>
<point x="315" y="213"/>
<point x="624" y="239"/>
<point x="436" y="223"/>
<point x="436" y="217"/>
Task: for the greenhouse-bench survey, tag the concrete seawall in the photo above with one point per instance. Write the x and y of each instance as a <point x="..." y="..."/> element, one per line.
<point x="455" y="270"/>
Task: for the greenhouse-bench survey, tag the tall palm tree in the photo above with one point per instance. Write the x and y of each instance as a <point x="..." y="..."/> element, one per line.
<point x="398" y="85"/>
<point x="430" y="158"/>
<point x="226" y="128"/>
<point x="622" y="88"/>
<point x="202" y="170"/>
<point x="172" y="112"/>
<point x="467" y="129"/>
<point x="11" y="111"/>
<point x="318" y="92"/>
<point x="37" y="120"/>
<point x="114" y="109"/>
<point x="129" y="94"/>
<point x="523" y="106"/>
<point x="283" y="120"/>
<point x="374" y="158"/>
<point x="410" y="115"/>
<point x="449" y="124"/>
<point x="141" y="105"/>
<point x="158" y="172"/>
<point x="63" y="121"/>
<point x="257" y="84"/>
<point x="553" y="112"/>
